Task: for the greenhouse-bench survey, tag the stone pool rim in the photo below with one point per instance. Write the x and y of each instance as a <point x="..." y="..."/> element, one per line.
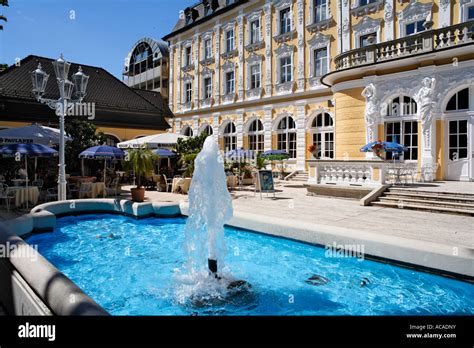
<point x="386" y="249"/>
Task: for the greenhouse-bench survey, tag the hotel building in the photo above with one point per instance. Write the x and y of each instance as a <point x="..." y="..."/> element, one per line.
<point x="286" y="74"/>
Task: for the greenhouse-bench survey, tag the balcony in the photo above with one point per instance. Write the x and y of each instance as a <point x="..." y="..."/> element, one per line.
<point x="425" y="42"/>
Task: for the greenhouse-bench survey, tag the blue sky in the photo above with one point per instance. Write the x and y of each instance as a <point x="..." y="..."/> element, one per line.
<point x="101" y="34"/>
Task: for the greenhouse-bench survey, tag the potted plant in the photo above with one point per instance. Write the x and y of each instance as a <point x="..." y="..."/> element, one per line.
<point x="141" y="161"/>
<point x="377" y="148"/>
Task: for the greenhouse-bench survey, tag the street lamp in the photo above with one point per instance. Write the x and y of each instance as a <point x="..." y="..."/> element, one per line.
<point x="39" y="79"/>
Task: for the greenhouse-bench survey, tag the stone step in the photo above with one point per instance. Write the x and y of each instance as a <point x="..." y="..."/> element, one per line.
<point x="436" y="203"/>
<point x="427" y="208"/>
<point x="426" y="192"/>
<point x="431" y="196"/>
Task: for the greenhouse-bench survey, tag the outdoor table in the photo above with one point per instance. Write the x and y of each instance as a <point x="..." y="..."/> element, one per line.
<point x="180" y="184"/>
<point x="397" y="171"/>
<point x="18" y="182"/>
<point x="81" y="179"/>
<point x="95" y="189"/>
<point x="24" y="194"/>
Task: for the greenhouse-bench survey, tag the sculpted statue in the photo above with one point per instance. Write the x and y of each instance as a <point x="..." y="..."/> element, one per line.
<point x="369" y="93"/>
<point x="425" y="101"/>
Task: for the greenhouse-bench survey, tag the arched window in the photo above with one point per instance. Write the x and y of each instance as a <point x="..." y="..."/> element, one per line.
<point x="230" y="137"/>
<point x="142" y="59"/>
<point x="286" y="135"/>
<point x="111" y="140"/>
<point x="207" y="130"/>
<point x="459" y="101"/>
<point x="404" y="127"/>
<point x="322" y="133"/>
<point x="256" y="136"/>
<point x="187" y="131"/>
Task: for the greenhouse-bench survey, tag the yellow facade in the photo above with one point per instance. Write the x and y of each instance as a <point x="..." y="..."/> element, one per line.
<point x="390" y="44"/>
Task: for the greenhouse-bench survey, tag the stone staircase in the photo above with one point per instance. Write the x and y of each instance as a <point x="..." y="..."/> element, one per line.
<point x="300" y="178"/>
<point x="419" y="199"/>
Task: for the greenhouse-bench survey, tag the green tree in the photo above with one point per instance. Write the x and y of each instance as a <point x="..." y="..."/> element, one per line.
<point x="187" y="150"/>
<point x="141" y="161"/>
<point x="3" y="18"/>
<point x="84" y="134"/>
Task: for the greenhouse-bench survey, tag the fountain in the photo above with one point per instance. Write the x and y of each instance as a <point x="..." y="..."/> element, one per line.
<point x="210" y="207"/>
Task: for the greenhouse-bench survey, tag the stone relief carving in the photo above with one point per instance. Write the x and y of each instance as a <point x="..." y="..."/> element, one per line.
<point x="369" y="93"/>
<point x="425" y="100"/>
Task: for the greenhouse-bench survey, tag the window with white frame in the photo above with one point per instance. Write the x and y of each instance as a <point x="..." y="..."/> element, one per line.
<point x="320" y="10"/>
<point x="229" y="40"/>
<point x="188" y="87"/>
<point x="230" y="82"/>
<point x="414" y="27"/>
<point x="188" y="58"/>
<point x="255" y="76"/>
<point x="207" y="48"/>
<point x="187" y="131"/>
<point x="366" y="28"/>
<point x="470" y="13"/>
<point x="458" y="143"/>
<point x="401" y="106"/>
<point x="286" y="136"/>
<point x="322" y="133"/>
<point x="406" y="133"/>
<point x="255" y="31"/>
<point x="207" y="87"/>
<point x="207" y="130"/>
<point x="286" y="70"/>
<point x="230" y="137"/>
<point x="256" y="136"/>
<point x="285" y="20"/>
<point x="459" y="101"/>
<point x="320" y="62"/>
<point x="368" y="39"/>
<point x="366" y="2"/>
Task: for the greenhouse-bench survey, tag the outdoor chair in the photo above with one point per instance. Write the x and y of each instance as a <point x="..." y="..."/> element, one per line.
<point x="168" y="183"/>
<point x="7" y="195"/>
<point x="51" y="194"/>
<point x="114" y="188"/>
<point x="85" y="190"/>
<point x="72" y="191"/>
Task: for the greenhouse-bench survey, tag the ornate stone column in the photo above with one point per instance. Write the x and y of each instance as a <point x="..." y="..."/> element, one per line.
<point x="444" y="13"/>
<point x="300" y="136"/>
<point x="268" y="49"/>
<point x="196" y="70"/>
<point x="301" y="31"/>
<point x="240" y="27"/>
<point x="178" y="78"/>
<point x="215" y="126"/>
<point x="343" y="26"/>
<point x="195" y="125"/>
<point x="267" y="126"/>
<point x="177" y="125"/>
<point x="217" y="82"/>
<point x="371" y="111"/>
<point x="389" y="20"/>
<point x="171" y="78"/>
<point x="239" y="128"/>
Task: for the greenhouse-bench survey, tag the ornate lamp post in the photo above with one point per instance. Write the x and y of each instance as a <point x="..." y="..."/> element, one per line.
<point x="66" y="87"/>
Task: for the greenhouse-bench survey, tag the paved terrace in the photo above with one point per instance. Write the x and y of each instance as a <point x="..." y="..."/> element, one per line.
<point x="293" y="204"/>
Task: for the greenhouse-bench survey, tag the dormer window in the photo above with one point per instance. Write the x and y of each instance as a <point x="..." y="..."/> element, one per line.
<point x="190" y="15"/>
<point x="207" y="9"/>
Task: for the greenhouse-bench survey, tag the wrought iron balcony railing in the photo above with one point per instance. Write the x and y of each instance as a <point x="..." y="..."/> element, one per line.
<point x="426" y="41"/>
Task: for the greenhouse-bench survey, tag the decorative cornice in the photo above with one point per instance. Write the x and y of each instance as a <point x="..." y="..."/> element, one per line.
<point x="415" y="11"/>
<point x="319" y="40"/>
<point x="372" y="7"/>
<point x="229" y="55"/>
<point x="321" y="25"/>
<point x="255" y="46"/>
<point x="284" y="50"/>
<point x="285" y="37"/>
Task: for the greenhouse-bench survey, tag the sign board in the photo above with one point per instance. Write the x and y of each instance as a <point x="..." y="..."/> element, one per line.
<point x="265" y="182"/>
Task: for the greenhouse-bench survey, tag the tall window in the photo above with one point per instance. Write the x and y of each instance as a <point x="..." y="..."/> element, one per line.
<point x="320" y="10"/>
<point x="207" y="49"/>
<point x="189" y="56"/>
<point x="322" y="130"/>
<point x="207" y="88"/>
<point x="320" y="62"/>
<point x="111" y="140"/>
<point x="459" y="101"/>
<point x="470" y="13"/>
<point x="255" y="76"/>
<point x="364" y="40"/>
<point x="230" y="82"/>
<point x="187" y="131"/>
<point x="256" y="136"/>
<point x="405" y="133"/>
<point x="415" y="27"/>
<point x="207" y="130"/>
<point x="286" y="70"/>
<point x="285" y="21"/>
<point x="255" y="31"/>
<point x="189" y="91"/>
<point x="230" y="137"/>
<point x="457" y="139"/>
<point x="366" y="2"/>
<point x="286" y="136"/>
<point x="229" y="40"/>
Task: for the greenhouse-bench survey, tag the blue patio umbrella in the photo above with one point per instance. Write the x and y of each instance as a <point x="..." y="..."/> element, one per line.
<point x="239" y="154"/>
<point x="388" y="146"/>
<point x="27" y="150"/>
<point x="102" y="152"/>
<point x="164" y="153"/>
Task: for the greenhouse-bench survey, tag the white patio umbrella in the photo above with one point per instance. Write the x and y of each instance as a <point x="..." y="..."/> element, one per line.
<point x="155" y="141"/>
<point x="32" y="134"/>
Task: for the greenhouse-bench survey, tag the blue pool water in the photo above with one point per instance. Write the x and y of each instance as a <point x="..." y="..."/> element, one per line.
<point x="134" y="273"/>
